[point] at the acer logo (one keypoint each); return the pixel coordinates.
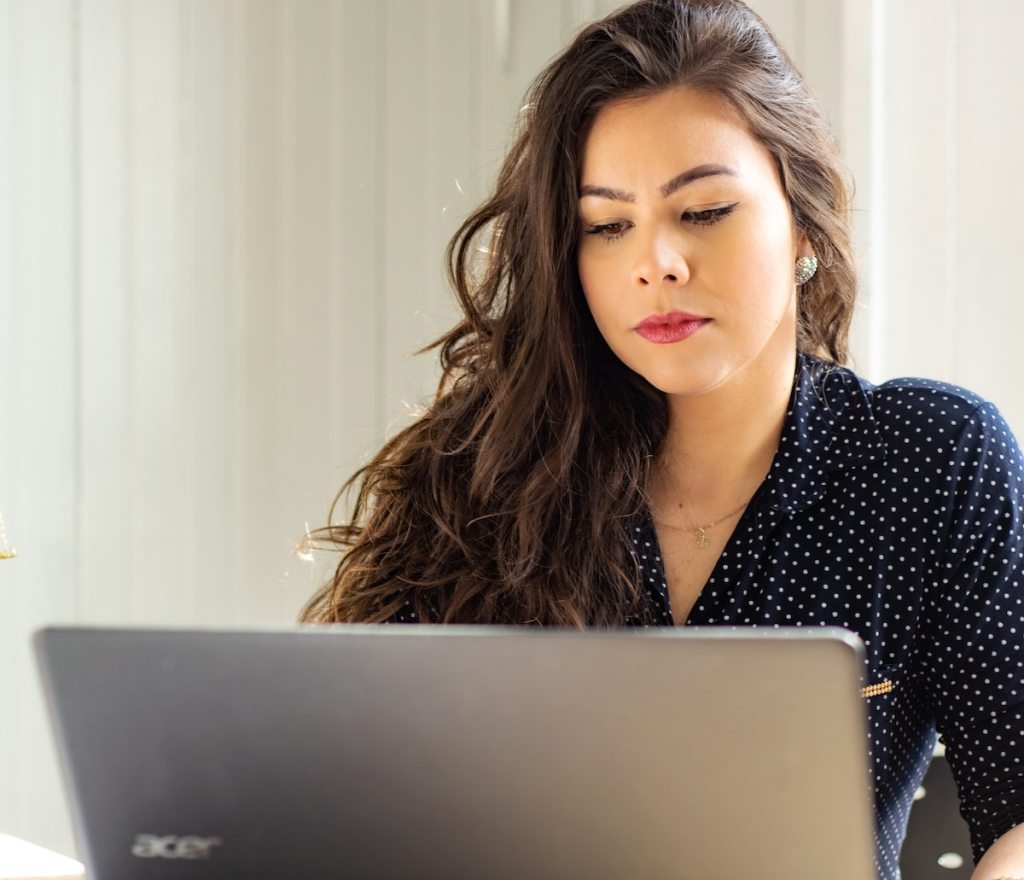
(170, 846)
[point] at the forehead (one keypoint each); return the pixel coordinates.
(659, 135)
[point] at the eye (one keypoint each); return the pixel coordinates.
(709, 217)
(608, 231)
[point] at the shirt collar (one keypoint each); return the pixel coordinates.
(830, 426)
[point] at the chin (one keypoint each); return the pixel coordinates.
(691, 385)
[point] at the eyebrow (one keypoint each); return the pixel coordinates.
(666, 189)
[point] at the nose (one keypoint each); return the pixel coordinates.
(660, 260)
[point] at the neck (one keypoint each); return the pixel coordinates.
(719, 446)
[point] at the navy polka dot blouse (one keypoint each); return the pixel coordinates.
(894, 511)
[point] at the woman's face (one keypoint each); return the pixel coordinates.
(688, 246)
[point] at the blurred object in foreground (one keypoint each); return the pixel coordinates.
(20, 859)
(6, 550)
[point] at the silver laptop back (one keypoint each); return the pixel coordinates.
(450, 752)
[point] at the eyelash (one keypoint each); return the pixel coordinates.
(699, 218)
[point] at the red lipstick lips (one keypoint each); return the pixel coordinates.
(670, 327)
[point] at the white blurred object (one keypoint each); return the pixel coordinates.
(951, 860)
(6, 550)
(20, 860)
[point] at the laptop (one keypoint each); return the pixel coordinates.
(463, 752)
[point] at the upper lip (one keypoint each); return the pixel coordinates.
(668, 319)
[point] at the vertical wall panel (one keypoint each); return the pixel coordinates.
(820, 27)
(411, 279)
(263, 300)
(8, 220)
(952, 128)
(236, 529)
(106, 311)
(859, 122)
(12, 628)
(39, 416)
(352, 391)
(162, 420)
(299, 347)
(311, 250)
(313, 337)
(986, 314)
(920, 183)
(448, 154)
(211, 360)
(534, 29)
(258, 215)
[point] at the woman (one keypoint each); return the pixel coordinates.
(644, 418)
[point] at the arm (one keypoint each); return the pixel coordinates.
(974, 633)
(1004, 859)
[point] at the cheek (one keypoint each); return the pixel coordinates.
(595, 288)
(582, 269)
(761, 264)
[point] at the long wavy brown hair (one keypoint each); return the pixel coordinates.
(512, 498)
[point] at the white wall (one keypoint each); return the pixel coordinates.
(221, 229)
(39, 449)
(953, 112)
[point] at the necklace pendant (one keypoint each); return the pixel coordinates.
(702, 538)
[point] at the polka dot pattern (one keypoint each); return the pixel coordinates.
(894, 511)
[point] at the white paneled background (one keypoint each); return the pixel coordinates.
(221, 236)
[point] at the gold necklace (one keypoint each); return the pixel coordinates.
(702, 534)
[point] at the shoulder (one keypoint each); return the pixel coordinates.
(938, 423)
(922, 403)
(911, 410)
(916, 431)
(934, 425)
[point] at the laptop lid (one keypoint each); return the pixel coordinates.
(463, 752)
